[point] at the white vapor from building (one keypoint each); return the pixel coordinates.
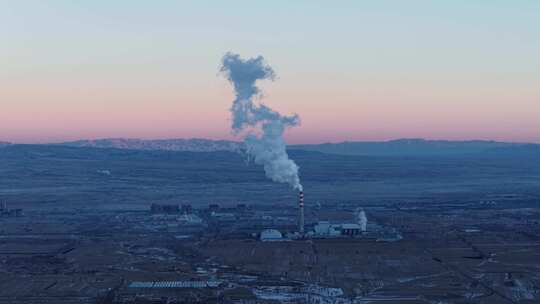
(261, 127)
(361, 218)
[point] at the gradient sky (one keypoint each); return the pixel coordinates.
(353, 70)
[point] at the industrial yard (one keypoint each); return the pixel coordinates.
(221, 254)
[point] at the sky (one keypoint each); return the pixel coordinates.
(352, 70)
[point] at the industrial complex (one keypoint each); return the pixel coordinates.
(247, 253)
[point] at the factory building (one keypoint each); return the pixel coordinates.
(326, 229)
(351, 229)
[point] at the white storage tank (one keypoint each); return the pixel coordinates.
(271, 235)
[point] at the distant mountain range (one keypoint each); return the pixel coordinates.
(416, 146)
(193, 144)
(399, 147)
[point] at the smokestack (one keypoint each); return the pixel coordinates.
(301, 210)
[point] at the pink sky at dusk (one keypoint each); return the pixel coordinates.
(80, 110)
(372, 72)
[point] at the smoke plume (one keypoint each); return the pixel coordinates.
(261, 127)
(361, 218)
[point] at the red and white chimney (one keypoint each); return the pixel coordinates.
(301, 211)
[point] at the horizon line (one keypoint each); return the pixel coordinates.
(288, 144)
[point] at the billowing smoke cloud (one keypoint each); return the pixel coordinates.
(361, 218)
(261, 127)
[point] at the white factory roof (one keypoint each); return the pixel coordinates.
(350, 226)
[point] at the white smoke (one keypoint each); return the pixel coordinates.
(261, 127)
(361, 218)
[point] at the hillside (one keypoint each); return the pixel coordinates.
(47, 176)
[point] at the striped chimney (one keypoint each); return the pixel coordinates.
(301, 210)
